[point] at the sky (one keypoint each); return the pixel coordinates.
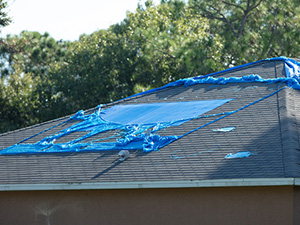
(66, 19)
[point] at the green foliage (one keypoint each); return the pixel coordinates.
(17, 101)
(31, 52)
(27, 95)
(98, 71)
(253, 29)
(172, 43)
(4, 18)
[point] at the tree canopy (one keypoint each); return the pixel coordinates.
(253, 29)
(26, 88)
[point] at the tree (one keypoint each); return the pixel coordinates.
(27, 92)
(253, 29)
(31, 52)
(172, 43)
(98, 70)
(17, 102)
(4, 19)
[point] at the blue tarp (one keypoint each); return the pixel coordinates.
(155, 113)
(136, 125)
(238, 155)
(224, 129)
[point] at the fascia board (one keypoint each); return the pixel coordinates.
(154, 184)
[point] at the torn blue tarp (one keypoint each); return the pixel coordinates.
(291, 66)
(146, 145)
(224, 129)
(291, 82)
(292, 69)
(238, 155)
(137, 125)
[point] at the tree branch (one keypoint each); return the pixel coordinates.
(231, 4)
(224, 19)
(254, 6)
(216, 13)
(245, 16)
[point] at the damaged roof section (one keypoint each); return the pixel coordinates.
(134, 126)
(240, 123)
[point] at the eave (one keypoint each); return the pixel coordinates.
(247, 182)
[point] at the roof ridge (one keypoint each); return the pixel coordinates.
(289, 133)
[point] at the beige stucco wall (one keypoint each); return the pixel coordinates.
(201, 206)
(296, 205)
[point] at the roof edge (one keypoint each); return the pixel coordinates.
(247, 182)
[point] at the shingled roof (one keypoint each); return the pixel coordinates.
(252, 136)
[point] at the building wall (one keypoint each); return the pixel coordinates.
(211, 206)
(296, 205)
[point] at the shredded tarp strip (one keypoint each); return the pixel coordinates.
(224, 129)
(238, 155)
